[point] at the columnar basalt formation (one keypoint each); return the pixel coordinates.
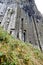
(23, 21)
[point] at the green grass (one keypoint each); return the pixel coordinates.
(16, 52)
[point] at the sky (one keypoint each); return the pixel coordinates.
(39, 4)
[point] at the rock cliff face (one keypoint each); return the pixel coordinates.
(23, 20)
(30, 7)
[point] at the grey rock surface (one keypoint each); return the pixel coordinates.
(22, 19)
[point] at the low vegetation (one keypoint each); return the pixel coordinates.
(16, 52)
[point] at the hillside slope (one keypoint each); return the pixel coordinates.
(15, 52)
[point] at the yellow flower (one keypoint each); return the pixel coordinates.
(18, 49)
